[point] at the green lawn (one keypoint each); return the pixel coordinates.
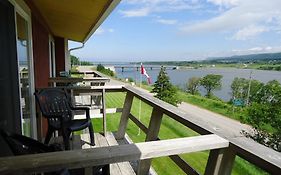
(216, 106)
(213, 105)
(169, 129)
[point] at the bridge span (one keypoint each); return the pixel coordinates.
(147, 67)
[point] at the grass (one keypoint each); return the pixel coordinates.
(169, 129)
(216, 106)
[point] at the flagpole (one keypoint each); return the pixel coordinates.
(140, 100)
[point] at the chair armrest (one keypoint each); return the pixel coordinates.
(83, 108)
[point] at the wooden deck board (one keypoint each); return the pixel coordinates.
(123, 168)
(85, 140)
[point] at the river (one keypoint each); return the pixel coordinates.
(180, 77)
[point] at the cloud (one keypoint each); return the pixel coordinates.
(167, 21)
(268, 48)
(141, 8)
(242, 18)
(258, 49)
(101, 31)
(135, 12)
(224, 3)
(111, 30)
(249, 32)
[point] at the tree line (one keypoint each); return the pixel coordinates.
(261, 101)
(75, 61)
(105, 71)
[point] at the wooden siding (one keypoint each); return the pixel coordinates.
(40, 38)
(59, 55)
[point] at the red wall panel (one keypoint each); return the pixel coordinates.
(40, 37)
(40, 53)
(60, 54)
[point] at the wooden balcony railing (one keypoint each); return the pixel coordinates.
(223, 148)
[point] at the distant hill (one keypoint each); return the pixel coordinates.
(263, 57)
(251, 57)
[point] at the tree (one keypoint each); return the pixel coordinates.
(74, 60)
(255, 88)
(240, 89)
(103, 70)
(211, 82)
(264, 114)
(192, 85)
(100, 67)
(164, 89)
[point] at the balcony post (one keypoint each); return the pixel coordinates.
(220, 161)
(125, 115)
(152, 134)
(103, 112)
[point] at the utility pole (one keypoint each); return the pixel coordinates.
(249, 88)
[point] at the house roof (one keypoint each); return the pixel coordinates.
(72, 19)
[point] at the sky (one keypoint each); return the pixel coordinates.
(180, 30)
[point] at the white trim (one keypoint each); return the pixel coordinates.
(33, 120)
(52, 55)
(23, 10)
(111, 7)
(67, 61)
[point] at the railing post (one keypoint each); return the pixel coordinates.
(153, 130)
(125, 115)
(220, 161)
(104, 112)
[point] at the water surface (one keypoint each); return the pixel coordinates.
(180, 77)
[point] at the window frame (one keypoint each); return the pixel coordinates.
(23, 10)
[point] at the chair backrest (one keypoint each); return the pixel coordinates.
(21, 145)
(53, 103)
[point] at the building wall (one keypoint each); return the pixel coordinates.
(40, 36)
(41, 55)
(60, 54)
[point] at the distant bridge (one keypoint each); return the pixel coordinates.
(146, 67)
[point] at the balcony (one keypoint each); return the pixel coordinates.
(117, 149)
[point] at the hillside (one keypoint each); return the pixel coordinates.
(246, 58)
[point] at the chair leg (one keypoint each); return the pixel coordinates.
(106, 170)
(48, 136)
(92, 137)
(66, 135)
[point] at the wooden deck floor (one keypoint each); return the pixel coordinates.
(83, 141)
(123, 168)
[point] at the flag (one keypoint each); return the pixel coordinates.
(143, 72)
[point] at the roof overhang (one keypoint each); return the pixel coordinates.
(73, 19)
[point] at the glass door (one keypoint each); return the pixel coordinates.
(25, 75)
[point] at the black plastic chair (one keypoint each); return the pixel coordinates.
(22, 145)
(55, 105)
